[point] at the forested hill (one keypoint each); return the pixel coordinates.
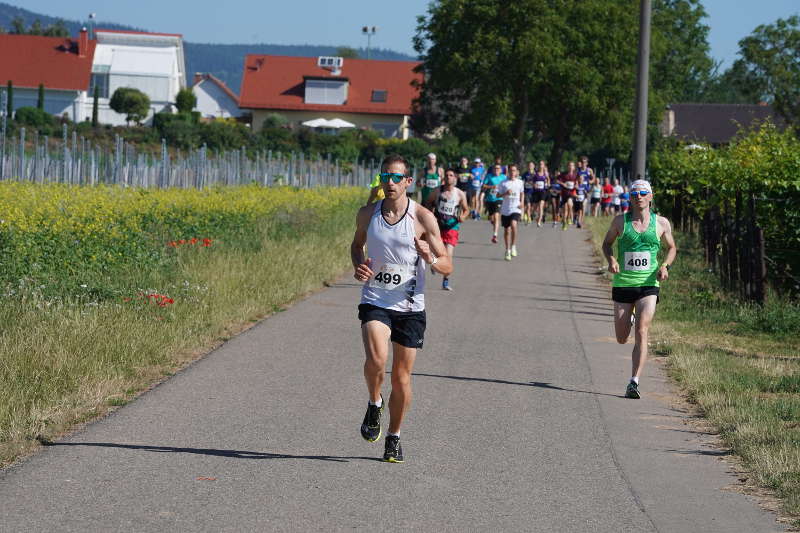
(223, 60)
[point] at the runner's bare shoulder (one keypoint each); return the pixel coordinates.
(618, 224)
(663, 225)
(365, 213)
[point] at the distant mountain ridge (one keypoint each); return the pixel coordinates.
(225, 61)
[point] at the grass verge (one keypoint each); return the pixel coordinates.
(67, 358)
(738, 363)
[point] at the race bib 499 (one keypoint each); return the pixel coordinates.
(391, 276)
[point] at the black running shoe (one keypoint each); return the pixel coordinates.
(632, 391)
(394, 452)
(371, 427)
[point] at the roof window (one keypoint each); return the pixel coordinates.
(379, 95)
(332, 92)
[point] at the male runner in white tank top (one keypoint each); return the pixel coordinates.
(401, 237)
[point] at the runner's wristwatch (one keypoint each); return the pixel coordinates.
(435, 260)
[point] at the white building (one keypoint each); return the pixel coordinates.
(214, 98)
(150, 62)
(70, 69)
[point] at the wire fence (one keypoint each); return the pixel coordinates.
(75, 160)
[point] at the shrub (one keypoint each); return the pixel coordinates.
(185, 101)
(35, 118)
(224, 134)
(132, 103)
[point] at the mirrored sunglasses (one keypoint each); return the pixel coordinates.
(396, 178)
(635, 194)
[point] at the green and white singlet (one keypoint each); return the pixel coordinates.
(431, 182)
(637, 255)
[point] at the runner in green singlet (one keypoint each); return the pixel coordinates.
(431, 178)
(637, 273)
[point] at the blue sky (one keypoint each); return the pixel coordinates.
(339, 22)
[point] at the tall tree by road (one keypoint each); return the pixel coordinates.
(682, 67)
(770, 64)
(517, 72)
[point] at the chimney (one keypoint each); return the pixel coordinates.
(83, 43)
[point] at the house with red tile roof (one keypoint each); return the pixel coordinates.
(214, 98)
(70, 69)
(368, 94)
(64, 66)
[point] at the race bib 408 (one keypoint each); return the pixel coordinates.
(637, 261)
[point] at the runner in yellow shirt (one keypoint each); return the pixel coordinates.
(375, 191)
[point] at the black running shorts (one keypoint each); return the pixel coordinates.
(505, 220)
(539, 196)
(492, 207)
(408, 327)
(629, 295)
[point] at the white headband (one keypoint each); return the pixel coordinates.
(643, 185)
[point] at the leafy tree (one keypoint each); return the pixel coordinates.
(36, 28)
(18, 26)
(682, 67)
(95, 111)
(57, 29)
(530, 69)
(132, 103)
(771, 61)
(347, 52)
(733, 86)
(185, 101)
(40, 99)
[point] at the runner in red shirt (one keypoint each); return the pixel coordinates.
(608, 195)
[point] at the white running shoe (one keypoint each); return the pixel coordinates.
(508, 255)
(513, 250)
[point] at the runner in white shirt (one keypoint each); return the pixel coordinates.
(618, 189)
(401, 237)
(511, 190)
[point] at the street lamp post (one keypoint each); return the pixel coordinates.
(642, 83)
(369, 32)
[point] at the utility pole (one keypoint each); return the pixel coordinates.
(369, 32)
(642, 85)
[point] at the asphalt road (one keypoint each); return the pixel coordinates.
(518, 424)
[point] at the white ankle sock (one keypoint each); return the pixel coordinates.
(635, 380)
(378, 403)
